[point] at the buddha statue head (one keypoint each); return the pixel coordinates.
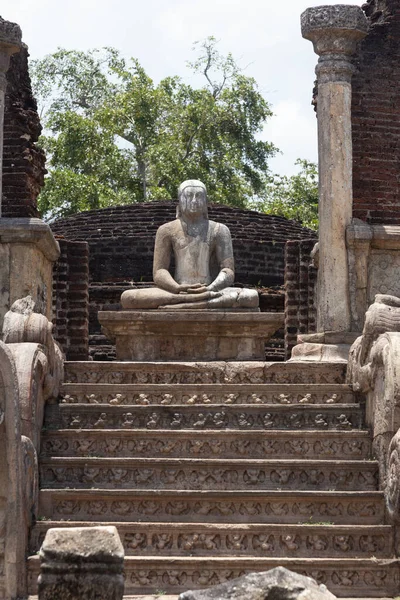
(192, 199)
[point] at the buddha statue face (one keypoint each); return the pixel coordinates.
(192, 199)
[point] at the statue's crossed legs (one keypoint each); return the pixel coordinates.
(151, 298)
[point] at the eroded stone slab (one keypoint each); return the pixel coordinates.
(277, 584)
(81, 563)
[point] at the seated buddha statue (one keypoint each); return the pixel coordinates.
(204, 264)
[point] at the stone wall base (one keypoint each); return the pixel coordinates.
(27, 253)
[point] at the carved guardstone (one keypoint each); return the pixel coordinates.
(189, 335)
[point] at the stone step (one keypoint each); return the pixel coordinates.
(352, 577)
(199, 539)
(353, 444)
(214, 417)
(176, 596)
(167, 596)
(246, 506)
(204, 372)
(208, 474)
(203, 394)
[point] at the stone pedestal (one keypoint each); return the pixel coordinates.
(189, 335)
(27, 253)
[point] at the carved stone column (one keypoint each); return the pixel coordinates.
(10, 43)
(334, 31)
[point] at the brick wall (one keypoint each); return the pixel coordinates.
(23, 162)
(23, 178)
(121, 240)
(71, 299)
(376, 117)
(300, 281)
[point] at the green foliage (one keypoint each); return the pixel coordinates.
(113, 136)
(294, 197)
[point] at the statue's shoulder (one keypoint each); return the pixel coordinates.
(219, 229)
(169, 228)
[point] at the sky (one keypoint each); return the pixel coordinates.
(263, 35)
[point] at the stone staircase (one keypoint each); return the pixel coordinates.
(212, 470)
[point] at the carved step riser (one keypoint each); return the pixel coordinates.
(278, 507)
(343, 578)
(205, 394)
(344, 476)
(329, 445)
(199, 540)
(246, 417)
(212, 372)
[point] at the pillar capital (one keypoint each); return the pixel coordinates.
(334, 31)
(10, 43)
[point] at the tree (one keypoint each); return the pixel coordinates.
(294, 197)
(113, 136)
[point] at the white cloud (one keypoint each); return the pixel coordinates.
(236, 21)
(294, 133)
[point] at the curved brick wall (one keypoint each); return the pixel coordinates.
(121, 240)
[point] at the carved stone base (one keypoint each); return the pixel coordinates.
(189, 335)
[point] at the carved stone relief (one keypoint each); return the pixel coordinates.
(384, 273)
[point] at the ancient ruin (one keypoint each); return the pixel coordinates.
(207, 460)
(119, 251)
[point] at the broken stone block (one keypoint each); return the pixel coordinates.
(277, 584)
(81, 563)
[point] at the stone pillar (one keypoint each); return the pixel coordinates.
(81, 563)
(334, 31)
(10, 43)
